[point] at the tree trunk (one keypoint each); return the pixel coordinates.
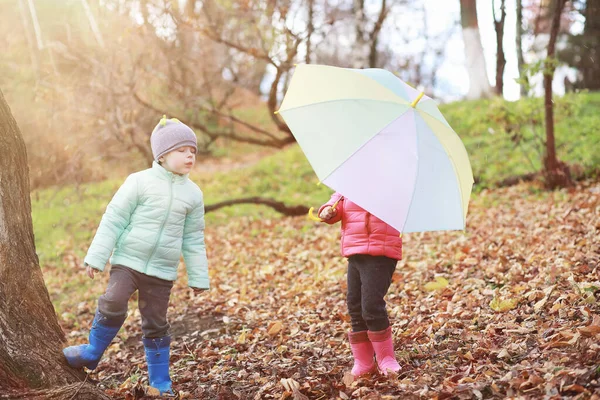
(500, 58)
(591, 67)
(35, 64)
(360, 53)
(520, 57)
(310, 30)
(556, 172)
(93, 23)
(479, 85)
(373, 52)
(30, 337)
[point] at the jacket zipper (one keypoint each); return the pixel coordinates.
(367, 223)
(163, 224)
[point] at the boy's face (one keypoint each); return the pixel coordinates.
(180, 161)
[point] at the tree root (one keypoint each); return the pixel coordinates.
(80, 391)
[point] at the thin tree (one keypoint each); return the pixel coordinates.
(519, 40)
(310, 30)
(500, 57)
(93, 24)
(35, 64)
(367, 39)
(31, 362)
(555, 171)
(479, 85)
(591, 62)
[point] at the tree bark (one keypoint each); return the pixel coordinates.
(479, 85)
(361, 45)
(591, 67)
(31, 359)
(373, 53)
(500, 58)
(36, 25)
(35, 64)
(556, 172)
(520, 56)
(365, 46)
(310, 30)
(93, 24)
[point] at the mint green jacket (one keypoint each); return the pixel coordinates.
(153, 218)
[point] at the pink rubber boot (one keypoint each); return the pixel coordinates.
(384, 351)
(363, 353)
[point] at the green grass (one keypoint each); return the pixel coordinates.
(489, 129)
(67, 218)
(285, 176)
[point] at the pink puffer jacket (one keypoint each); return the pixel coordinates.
(362, 232)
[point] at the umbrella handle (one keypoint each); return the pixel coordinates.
(313, 216)
(316, 218)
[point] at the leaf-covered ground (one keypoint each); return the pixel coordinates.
(508, 308)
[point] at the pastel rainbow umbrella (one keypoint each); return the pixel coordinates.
(382, 144)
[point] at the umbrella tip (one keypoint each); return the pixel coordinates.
(414, 103)
(276, 112)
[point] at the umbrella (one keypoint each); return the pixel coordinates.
(382, 144)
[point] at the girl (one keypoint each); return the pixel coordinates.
(373, 249)
(155, 215)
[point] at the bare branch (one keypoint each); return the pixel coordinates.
(211, 34)
(277, 143)
(278, 206)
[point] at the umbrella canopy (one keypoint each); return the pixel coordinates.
(382, 144)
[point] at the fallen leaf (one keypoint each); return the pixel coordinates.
(549, 290)
(591, 330)
(152, 392)
(348, 379)
(503, 305)
(275, 328)
(574, 388)
(242, 338)
(540, 304)
(439, 284)
(503, 354)
(125, 384)
(291, 385)
(469, 356)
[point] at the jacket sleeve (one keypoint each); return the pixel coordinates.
(114, 221)
(339, 209)
(194, 249)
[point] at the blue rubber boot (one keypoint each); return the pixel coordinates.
(88, 355)
(157, 357)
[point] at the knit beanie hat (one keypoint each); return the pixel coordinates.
(171, 134)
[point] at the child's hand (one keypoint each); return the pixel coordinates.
(90, 270)
(327, 213)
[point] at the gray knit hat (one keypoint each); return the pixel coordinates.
(171, 134)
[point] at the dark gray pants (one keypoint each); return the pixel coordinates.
(369, 278)
(153, 299)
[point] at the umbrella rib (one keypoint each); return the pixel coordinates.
(459, 188)
(412, 197)
(432, 116)
(340, 100)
